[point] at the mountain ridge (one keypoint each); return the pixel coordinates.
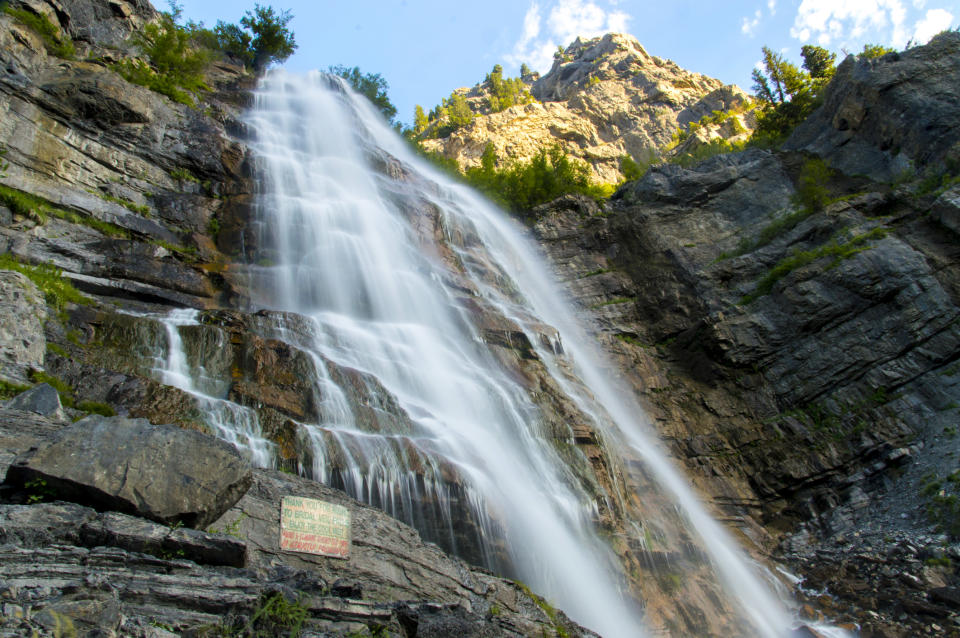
(604, 98)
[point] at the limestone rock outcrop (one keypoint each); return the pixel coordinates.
(889, 116)
(603, 99)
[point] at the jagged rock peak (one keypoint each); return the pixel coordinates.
(604, 98)
(615, 56)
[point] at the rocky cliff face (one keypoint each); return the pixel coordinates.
(888, 117)
(134, 180)
(603, 99)
(801, 363)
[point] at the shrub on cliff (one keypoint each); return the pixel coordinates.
(174, 63)
(521, 186)
(177, 55)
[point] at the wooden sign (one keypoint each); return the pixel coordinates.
(314, 527)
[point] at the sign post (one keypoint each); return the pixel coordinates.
(314, 527)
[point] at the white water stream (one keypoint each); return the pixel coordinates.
(352, 251)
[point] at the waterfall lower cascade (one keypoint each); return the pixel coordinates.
(452, 386)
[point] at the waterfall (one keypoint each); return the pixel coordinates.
(454, 385)
(234, 423)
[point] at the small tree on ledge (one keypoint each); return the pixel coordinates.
(263, 39)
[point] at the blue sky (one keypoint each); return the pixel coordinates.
(426, 48)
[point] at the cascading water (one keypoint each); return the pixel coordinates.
(452, 381)
(234, 423)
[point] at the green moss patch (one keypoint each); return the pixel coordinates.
(49, 279)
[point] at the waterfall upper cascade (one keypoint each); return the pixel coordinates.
(453, 386)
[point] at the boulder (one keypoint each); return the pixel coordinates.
(41, 399)
(946, 210)
(20, 431)
(159, 472)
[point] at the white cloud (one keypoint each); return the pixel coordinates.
(772, 6)
(565, 20)
(838, 21)
(931, 24)
(748, 26)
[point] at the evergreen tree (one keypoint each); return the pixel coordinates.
(818, 62)
(459, 113)
(420, 120)
(787, 93)
(261, 38)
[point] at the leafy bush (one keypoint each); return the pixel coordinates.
(57, 45)
(812, 194)
(523, 185)
(9, 390)
(871, 51)
(454, 113)
(176, 63)
(631, 169)
(273, 616)
(97, 407)
(716, 146)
